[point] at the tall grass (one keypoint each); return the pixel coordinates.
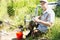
(55, 30)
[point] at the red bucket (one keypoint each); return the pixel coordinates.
(19, 35)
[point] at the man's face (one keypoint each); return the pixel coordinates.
(43, 4)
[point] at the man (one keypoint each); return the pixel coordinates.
(46, 19)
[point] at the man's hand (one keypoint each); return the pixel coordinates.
(42, 22)
(36, 20)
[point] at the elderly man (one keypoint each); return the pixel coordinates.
(46, 19)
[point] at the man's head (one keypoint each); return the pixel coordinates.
(44, 4)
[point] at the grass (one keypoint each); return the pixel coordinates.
(56, 30)
(53, 34)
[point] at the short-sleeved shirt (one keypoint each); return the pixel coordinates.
(48, 16)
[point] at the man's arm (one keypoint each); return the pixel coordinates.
(43, 22)
(46, 23)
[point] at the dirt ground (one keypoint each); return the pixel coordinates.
(9, 36)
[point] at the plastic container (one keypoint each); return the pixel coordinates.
(19, 35)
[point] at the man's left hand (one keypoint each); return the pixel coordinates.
(36, 20)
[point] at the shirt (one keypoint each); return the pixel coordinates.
(48, 16)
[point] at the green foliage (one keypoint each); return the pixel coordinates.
(10, 8)
(55, 31)
(39, 11)
(57, 11)
(10, 11)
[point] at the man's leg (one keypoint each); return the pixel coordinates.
(35, 33)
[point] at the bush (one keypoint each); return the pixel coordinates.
(10, 11)
(57, 11)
